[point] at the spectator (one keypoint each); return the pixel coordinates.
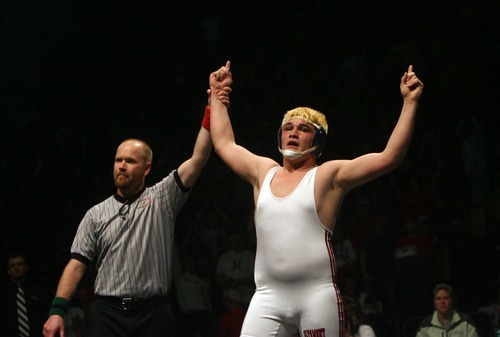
(415, 253)
(446, 321)
(377, 265)
(27, 317)
(235, 269)
(493, 311)
(230, 323)
(416, 198)
(355, 325)
(345, 256)
(351, 287)
(193, 297)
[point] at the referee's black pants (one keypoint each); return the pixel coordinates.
(111, 321)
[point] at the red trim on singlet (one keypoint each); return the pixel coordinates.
(333, 268)
(340, 306)
(329, 247)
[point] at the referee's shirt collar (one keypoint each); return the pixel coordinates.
(130, 199)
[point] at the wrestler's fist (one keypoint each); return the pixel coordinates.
(221, 78)
(411, 86)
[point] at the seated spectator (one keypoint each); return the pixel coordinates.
(415, 254)
(377, 264)
(350, 287)
(345, 255)
(446, 321)
(235, 269)
(355, 325)
(230, 322)
(193, 297)
(493, 311)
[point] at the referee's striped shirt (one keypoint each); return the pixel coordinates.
(132, 240)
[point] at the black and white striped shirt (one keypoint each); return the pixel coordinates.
(132, 241)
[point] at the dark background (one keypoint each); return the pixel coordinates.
(78, 78)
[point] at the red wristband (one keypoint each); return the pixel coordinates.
(206, 118)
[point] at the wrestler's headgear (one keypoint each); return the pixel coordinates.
(316, 119)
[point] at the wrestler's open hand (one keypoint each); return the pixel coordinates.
(411, 86)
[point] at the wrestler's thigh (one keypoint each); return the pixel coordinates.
(321, 312)
(263, 319)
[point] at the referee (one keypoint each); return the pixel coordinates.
(130, 236)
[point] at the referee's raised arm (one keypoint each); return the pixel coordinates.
(190, 170)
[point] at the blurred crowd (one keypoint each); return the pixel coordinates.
(434, 219)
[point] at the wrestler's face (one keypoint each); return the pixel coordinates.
(297, 135)
(443, 302)
(130, 169)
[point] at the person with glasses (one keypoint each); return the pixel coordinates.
(129, 236)
(296, 205)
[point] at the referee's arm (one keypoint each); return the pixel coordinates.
(190, 170)
(71, 277)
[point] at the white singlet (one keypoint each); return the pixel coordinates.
(294, 267)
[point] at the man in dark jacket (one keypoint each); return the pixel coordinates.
(25, 304)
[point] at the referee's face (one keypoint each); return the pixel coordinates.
(130, 169)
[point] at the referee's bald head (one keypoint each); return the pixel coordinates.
(146, 149)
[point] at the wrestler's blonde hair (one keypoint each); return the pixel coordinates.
(309, 115)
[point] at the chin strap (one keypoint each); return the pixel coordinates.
(291, 154)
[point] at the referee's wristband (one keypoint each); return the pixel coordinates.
(206, 118)
(59, 306)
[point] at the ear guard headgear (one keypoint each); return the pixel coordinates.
(317, 145)
(313, 117)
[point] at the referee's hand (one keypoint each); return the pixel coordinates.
(54, 327)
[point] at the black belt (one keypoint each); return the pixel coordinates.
(131, 303)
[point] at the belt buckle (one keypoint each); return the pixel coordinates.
(125, 301)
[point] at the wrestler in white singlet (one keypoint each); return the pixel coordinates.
(294, 267)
